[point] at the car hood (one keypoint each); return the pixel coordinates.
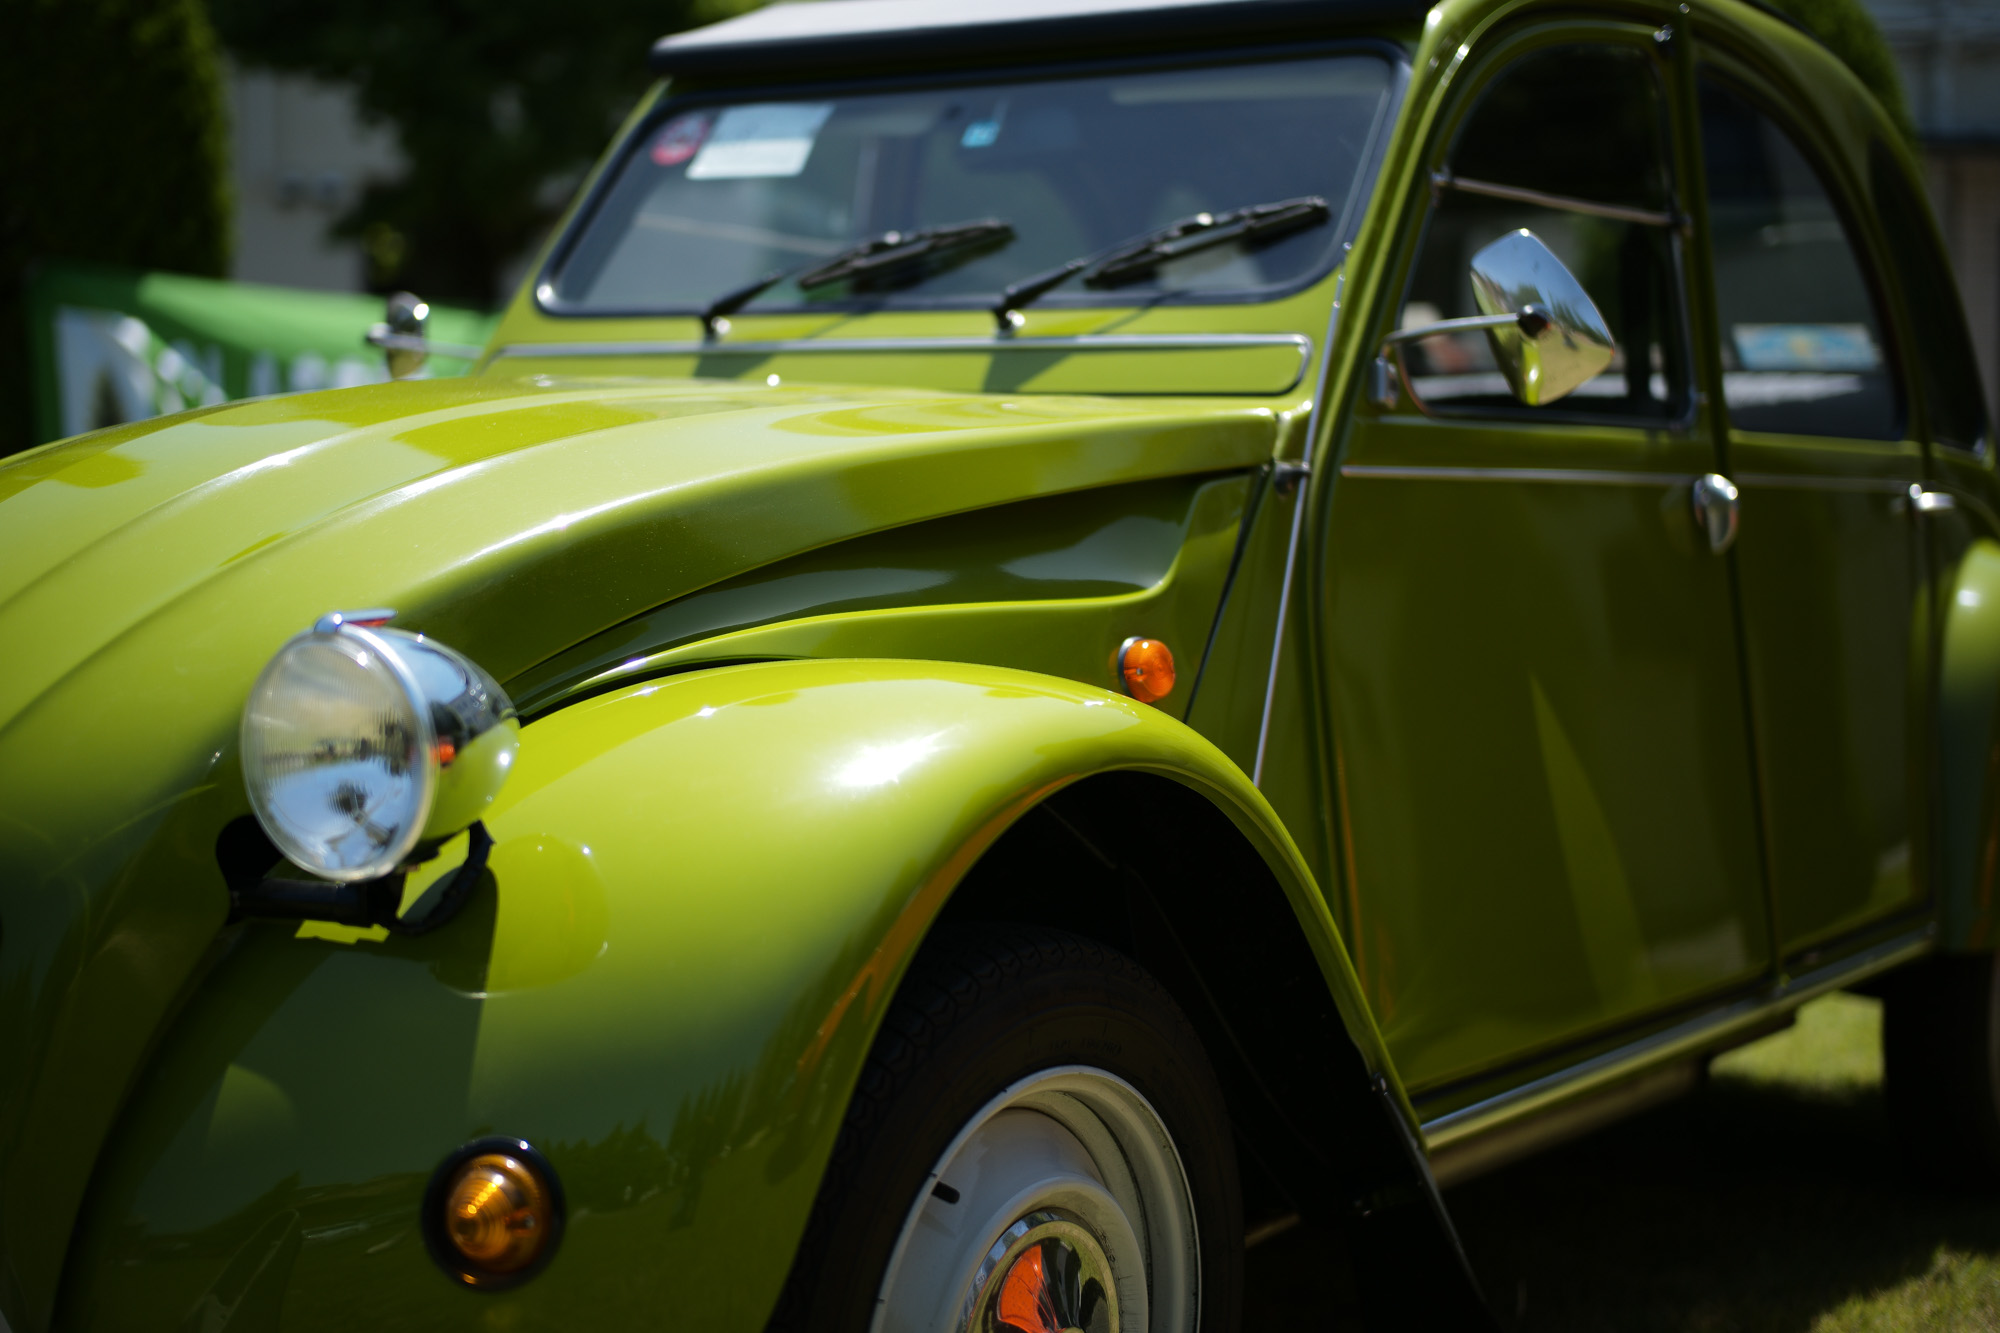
(148, 572)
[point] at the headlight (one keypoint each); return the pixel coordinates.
(360, 743)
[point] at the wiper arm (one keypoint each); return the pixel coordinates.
(882, 253)
(1128, 261)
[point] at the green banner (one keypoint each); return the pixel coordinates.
(112, 345)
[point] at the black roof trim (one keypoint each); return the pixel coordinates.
(854, 36)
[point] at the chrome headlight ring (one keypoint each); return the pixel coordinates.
(363, 744)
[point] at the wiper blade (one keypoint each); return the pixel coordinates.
(893, 250)
(880, 254)
(1128, 261)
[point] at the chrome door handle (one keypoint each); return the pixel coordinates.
(1930, 502)
(1714, 500)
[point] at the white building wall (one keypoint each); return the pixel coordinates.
(301, 156)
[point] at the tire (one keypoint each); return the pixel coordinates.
(1036, 1120)
(1941, 1068)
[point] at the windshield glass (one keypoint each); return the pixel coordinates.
(715, 195)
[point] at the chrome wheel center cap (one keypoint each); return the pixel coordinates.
(1046, 1274)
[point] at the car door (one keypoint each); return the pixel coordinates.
(1538, 734)
(1828, 557)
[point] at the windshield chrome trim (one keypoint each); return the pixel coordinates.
(1561, 476)
(1086, 342)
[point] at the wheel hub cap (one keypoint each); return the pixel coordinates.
(1046, 1274)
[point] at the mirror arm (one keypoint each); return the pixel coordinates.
(1531, 320)
(379, 335)
(1523, 318)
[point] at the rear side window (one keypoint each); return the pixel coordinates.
(1803, 351)
(1597, 189)
(1947, 374)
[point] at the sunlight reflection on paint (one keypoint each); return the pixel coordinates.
(876, 765)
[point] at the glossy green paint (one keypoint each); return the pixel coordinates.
(1836, 652)
(1542, 779)
(150, 571)
(1455, 777)
(1052, 585)
(1552, 820)
(1829, 571)
(707, 888)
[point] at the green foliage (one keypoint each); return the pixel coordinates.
(1849, 31)
(499, 107)
(116, 152)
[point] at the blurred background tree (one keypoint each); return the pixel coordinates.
(499, 107)
(115, 151)
(1848, 30)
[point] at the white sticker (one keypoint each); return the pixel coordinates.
(767, 139)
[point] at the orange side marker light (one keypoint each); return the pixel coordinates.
(496, 1215)
(1146, 666)
(493, 1213)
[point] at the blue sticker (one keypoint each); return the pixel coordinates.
(1805, 347)
(980, 134)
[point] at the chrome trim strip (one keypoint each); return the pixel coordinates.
(1684, 1039)
(1298, 525)
(1088, 342)
(1785, 482)
(1559, 475)
(1444, 180)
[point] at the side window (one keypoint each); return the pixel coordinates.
(1801, 335)
(1947, 374)
(1597, 189)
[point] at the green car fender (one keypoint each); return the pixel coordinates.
(708, 886)
(1968, 747)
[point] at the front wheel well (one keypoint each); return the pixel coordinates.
(1155, 869)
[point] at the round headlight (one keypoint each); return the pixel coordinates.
(359, 743)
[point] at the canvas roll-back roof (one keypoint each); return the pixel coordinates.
(830, 38)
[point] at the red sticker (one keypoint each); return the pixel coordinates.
(680, 139)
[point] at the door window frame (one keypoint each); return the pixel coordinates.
(1773, 100)
(1498, 56)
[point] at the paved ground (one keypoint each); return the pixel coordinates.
(1770, 1200)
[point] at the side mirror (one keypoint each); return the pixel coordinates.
(400, 335)
(1547, 334)
(405, 344)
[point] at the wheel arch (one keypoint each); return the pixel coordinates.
(1156, 866)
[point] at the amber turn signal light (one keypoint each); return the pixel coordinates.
(1146, 667)
(493, 1213)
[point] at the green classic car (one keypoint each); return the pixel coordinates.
(1054, 633)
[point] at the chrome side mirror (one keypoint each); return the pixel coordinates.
(400, 335)
(1547, 334)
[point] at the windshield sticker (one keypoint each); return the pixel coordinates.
(985, 132)
(768, 139)
(680, 139)
(1805, 347)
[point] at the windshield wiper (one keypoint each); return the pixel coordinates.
(1128, 261)
(880, 254)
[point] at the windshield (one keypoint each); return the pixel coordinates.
(717, 195)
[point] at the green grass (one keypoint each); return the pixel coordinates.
(1771, 1199)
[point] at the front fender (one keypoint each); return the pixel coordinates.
(708, 888)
